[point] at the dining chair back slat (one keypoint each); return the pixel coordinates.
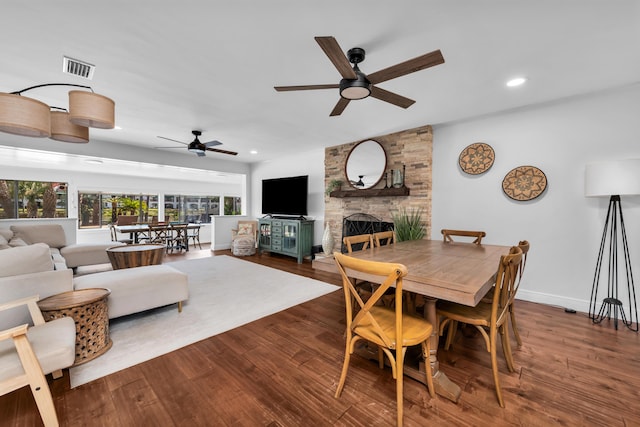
(448, 235)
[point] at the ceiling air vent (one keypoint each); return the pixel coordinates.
(78, 68)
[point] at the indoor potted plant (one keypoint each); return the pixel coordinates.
(334, 184)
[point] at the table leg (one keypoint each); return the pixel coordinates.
(443, 385)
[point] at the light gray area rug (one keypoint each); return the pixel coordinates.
(224, 293)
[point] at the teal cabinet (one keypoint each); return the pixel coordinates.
(292, 237)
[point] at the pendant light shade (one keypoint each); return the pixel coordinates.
(24, 116)
(63, 130)
(90, 109)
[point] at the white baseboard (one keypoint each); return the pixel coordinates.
(553, 300)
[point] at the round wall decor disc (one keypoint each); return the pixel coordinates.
(476, 158)
(524, 183)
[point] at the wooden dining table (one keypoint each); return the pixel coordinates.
(452, 271)
(135, 230)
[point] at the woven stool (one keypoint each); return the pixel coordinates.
(243, 246)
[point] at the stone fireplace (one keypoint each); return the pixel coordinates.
(410, 148)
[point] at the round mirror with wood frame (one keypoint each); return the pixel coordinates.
(365, 164)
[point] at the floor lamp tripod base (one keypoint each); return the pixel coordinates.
(612, 306)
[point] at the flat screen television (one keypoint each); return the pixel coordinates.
(285, 196)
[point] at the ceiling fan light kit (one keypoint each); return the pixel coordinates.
(356, 85)
(20, 115)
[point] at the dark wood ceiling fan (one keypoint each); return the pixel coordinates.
(198, 147)
(357, 85)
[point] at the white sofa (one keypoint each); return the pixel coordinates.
(64, 255)
(29, 270)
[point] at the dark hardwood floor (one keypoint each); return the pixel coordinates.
(282, 370)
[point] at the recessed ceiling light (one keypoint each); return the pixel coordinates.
(516, 82)
(117, 128)
(253, 152)
(94, 161)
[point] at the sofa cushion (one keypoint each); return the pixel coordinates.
(43, 284)
(138, 289)
(87, 253)
(17, 241)
(53, 344)
(51, 234)
(4, 243)
(59, 263)
(6, 233)
(25, 259)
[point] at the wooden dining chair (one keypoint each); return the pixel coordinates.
(358, 242)
(177, 237)
(448, 235)
(493, 316)
(382, 238)
(159, 234)
(193, 235)
(390, 329)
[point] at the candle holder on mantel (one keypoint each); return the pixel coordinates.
(386, 182)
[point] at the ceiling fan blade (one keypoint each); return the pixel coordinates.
(307, 87)
(217, 150)
(212, 143)
(340, 106)
(182, 148)
(332, 49)
(169, 139)
(390, 97)
(411, 66)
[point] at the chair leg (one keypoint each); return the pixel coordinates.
(37, 381)
(506, 346)
(494, 367)
(514, 326)
(345, 368)
(451, 333)
(399, 385)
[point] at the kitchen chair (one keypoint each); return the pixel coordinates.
(382, 238)
(360, 242)
(244, 239)
(389, 328)
(524, 246)
(492, 316)
(159, 234)
(27, 354)
(114, 236)
(193, 235)
(447, 234)
(177, 237)
(366, 240)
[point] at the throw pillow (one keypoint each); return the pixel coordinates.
(244, 229)
(6, 233)
(4, 244)
(16, 241)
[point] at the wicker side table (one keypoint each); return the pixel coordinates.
(88, 308)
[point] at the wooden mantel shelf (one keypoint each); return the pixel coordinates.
(371, 192)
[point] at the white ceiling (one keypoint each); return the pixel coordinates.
(174, 66)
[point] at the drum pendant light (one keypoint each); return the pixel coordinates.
(63, 130)
(90, 109)
(24, 116)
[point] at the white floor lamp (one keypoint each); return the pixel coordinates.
(613, 179)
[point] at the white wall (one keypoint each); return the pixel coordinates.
(563, 227)
(303, 163)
